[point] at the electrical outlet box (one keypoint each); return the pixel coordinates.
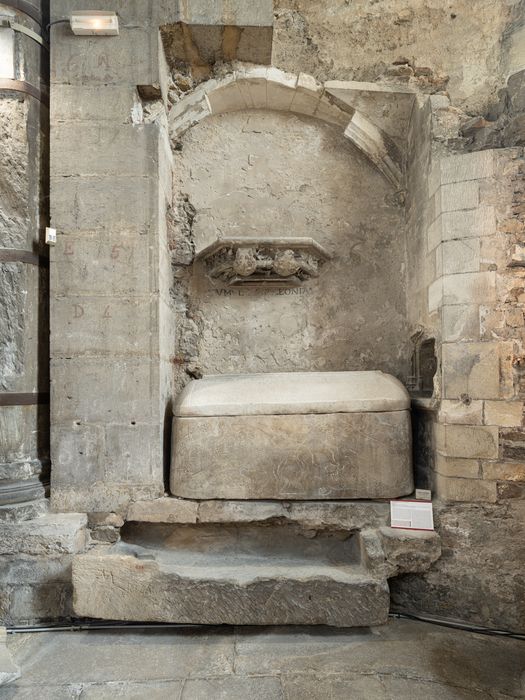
(51, 235)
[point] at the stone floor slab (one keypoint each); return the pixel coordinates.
(424, 652)
(404, 660)
(233, 688)
(102, 656)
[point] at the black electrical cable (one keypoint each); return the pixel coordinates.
(117, 625)
(442, 622)
(56, 21)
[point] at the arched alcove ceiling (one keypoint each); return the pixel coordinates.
(261, 87)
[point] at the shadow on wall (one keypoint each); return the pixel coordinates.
(166, 444)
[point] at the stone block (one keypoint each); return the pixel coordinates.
(469, 288)
(103, 495)
(15, 512)
(129, 381)
(435, 295)
(104, 149)
(512, 443)
(226, 97)
(467, 166)
(76, 451)
(164, 510)
(504, 413)
(108, 203)
(105, 103)
(409, 551)
(110, 262)
(311, 515)
(504, 471)
(307, 95)
(51, 535)
(465, 490)
(189, 111)
(238, 13)
(130, 12)
(269, 575)
(470, 223)
(105, 519)
(131, 59)
(39, 603)
(465, 413)
(280, 90)
(460, 322)
(230, 456)
(453, 466)
(252, 82)
(35, 570)
(460, 256)
(456, 196)
(103, 325)
(469, 441)
(471, 369)
(133, 451)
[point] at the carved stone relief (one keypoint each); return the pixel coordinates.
(265, 261)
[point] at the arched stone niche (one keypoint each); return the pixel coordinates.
(263, 171)
(263, 87)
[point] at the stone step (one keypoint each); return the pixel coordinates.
(230, 574)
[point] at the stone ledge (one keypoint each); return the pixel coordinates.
(341, 515)
(265, 573)
(51, 535)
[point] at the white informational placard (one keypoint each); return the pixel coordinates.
(411, 515)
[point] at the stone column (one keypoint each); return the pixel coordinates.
(24, 389)
(110, 268)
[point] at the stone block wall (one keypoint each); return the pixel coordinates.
(112, 318)
(110, 189)
(476, 228)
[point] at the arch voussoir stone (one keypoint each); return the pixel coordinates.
(264, 87)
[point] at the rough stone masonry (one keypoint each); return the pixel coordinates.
(393, 135)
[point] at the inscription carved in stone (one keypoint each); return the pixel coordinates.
(282, 262)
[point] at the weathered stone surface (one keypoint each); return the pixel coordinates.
(458, 586)
(465, 490)
(24, 511)
(268, 664)
(243, 331)
(164, 510)
(409, 550)
(454, 466)
(9, 671)
(254, 575)
(307, 457)
(472, 370)
(53, 534)
(504, 413)
(283, 393)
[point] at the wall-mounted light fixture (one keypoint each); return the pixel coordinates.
(94, 23)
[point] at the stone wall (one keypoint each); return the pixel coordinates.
(111, 339)
(469, 435)
(261, 173)
(452, 270)
(464, 46)
(24, 383)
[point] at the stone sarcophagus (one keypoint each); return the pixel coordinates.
(294, 435)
